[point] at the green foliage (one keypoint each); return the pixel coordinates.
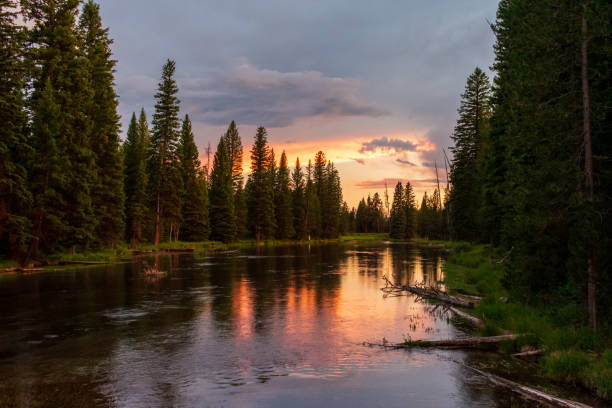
(135, 177)
(298, 201)
(260, 188)
(194, 210)
(471, 139)
(15, 195)
(398, 213)
(165, 183)
(222, 222)
(107, 193)
(282, 205)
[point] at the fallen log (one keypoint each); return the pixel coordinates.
(429, 293)
(461, 343)
(530, 393)
(472, 319)
(83, 262)
(528, 353)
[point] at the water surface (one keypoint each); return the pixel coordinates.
(260, 327)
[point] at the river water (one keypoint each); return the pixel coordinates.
(255, 328)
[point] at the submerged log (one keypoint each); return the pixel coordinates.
(429, 293)
(461, 343)
(530, 393)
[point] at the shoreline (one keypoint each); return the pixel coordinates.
(122, 253)
(568, 352)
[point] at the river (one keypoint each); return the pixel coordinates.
(261, 327)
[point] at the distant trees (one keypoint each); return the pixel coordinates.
(403, 213)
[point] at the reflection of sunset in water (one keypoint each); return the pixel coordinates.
(280, 326)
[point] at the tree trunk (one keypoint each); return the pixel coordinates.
(588, 169)
(158, 219)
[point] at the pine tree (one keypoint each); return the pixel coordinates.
(15, 196)
(260, 200)
(135, 179)
(410, 208)
(222, 216)
(61, 84)
(163, 169)
(313, 206)
(234, 146)
(398, 213)
(470, 138)
(194, 223)
(298, 201)
(234, 143)
(282, 197)
(107, 196)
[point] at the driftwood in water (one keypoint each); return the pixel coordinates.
(430, 293)
(530, 393)
(462, 343)
(472, 319)
(83, 262)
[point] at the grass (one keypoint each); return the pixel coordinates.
(572, 352)
(122, 252)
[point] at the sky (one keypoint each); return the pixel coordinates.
(374, 84)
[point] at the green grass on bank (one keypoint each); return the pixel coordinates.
(572, 352)
(122, 252)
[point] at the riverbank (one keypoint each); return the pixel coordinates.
(122, 253)
(571, 352)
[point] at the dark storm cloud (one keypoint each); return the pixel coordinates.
(385, 144)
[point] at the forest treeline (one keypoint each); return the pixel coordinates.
(67, 182)
(532, 159)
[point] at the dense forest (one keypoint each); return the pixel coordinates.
(68, 183)
(531, 170)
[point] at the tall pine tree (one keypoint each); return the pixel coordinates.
(470, 138)
(15, 196)
(62, 186)
(260, 200)
(107, 194)
(135, 179)
(222, 217)
(163, 162)
(194, 225)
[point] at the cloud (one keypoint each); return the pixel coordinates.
(386, 145)
(358, 160)
(405, 162)
(253, 96)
